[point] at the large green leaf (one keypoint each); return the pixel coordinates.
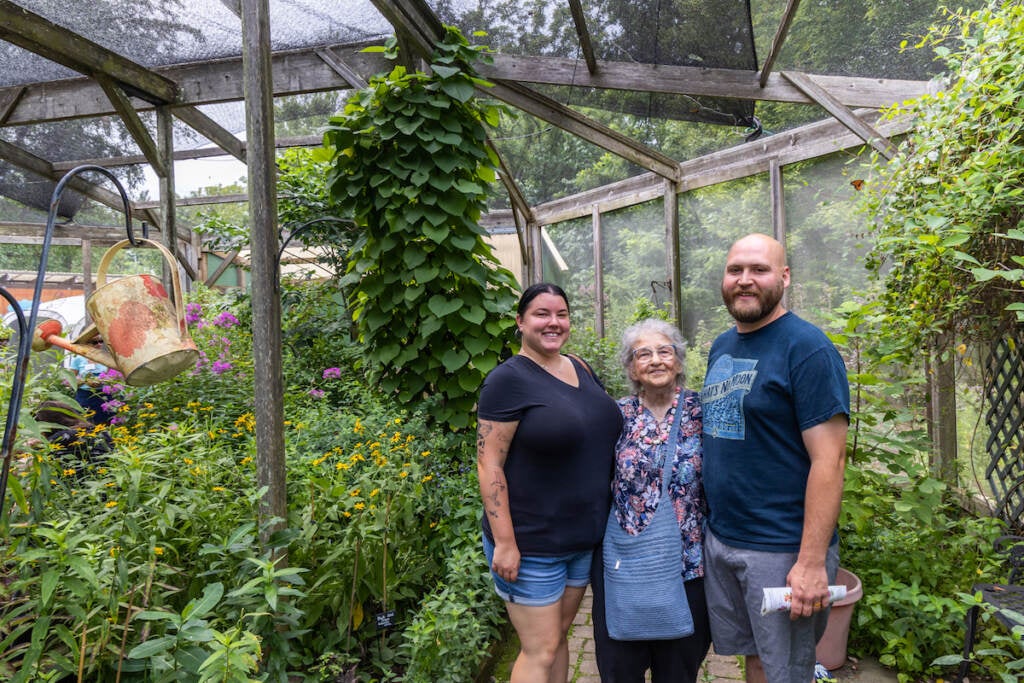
(442, 306)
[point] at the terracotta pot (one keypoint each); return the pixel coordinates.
(831, 650)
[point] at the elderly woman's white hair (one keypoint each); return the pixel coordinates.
(652, 326)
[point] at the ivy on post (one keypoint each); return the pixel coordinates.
(409, 160)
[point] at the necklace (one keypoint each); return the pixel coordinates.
(662, 426)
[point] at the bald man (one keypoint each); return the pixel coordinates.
(776, 407)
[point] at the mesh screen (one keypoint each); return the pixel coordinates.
(164, 32)
(705, 33)
(855, 37)
(825, 234)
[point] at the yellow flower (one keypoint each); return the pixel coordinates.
(246, 460)
(347, 513)
(219, 488)
(69, 472)
(427, 478)
(374, 492)
(341, 466)
(358, 427)
(398, 420)
(360, 506)
(403, 474)
(157, 550)
(354, 492)
(425, 453)
(110, 484)
(961, 349)
(102, 470)
(111, 504)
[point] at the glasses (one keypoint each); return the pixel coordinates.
(645, 354)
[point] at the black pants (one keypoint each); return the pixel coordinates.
(670, 661)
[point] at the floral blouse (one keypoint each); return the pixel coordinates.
(636, 488)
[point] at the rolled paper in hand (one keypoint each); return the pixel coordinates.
(779, 599)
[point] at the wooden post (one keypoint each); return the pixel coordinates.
(777, 200)
(168, 211)
(942, 409)
(266, 288)
(673, 267)
(86, 271)
(535, 267)
(598, 273)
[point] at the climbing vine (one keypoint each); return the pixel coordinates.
(948, 207)
(410, 161)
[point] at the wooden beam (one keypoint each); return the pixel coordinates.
(579, 20)
(294, 72)
(266, 286)
(68, 233)
(698, 82)
(56, 43)
(341, 68)
(415, 21)
(304, 71)
(572, 121)
(674, 269)
(841, 112)
(133, 123)
(212, 131)
(8, 101)
(226, 262)
(516, 197)
(778, 40)
(800, 144)
(183, 154)
(197, 201)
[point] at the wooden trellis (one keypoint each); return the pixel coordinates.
(1004, 415)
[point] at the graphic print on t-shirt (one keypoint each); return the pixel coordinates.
(728, 381)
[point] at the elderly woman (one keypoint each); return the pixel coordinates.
(652, 355)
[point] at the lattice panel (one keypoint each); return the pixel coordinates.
(1004, 417)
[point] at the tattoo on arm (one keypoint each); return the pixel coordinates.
(483, 431)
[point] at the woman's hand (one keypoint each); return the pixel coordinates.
(506, 561)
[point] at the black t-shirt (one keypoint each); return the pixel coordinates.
(559, 465)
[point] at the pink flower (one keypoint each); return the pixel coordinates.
(193, 313)
(225, 320)
(332, 373)
(317, 393)
(220, 367)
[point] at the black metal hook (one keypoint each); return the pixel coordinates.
(28, 328)
(307, 225)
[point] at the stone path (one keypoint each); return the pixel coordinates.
(717, 668)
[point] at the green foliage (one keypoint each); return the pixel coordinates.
(410, 161)
(1005, 657)
(914, 549)
(949, 246)
(155, 555)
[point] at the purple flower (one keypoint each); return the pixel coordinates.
(111, 406)
(219, 367)
(110, 373)
(317, 393)
(225, 320)
(193, 313)
(332, 373)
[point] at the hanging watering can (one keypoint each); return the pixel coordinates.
(144, 332)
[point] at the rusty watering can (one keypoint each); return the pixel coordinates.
(145, 333)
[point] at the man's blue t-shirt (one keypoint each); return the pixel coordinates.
(762, 390)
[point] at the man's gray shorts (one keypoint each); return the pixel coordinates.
(734, 579)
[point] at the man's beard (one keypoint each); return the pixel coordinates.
(767, 300)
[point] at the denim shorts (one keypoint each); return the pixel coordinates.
(541, 580)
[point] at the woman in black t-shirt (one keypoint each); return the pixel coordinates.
(545, 449)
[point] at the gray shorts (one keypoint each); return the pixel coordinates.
(734, 579)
